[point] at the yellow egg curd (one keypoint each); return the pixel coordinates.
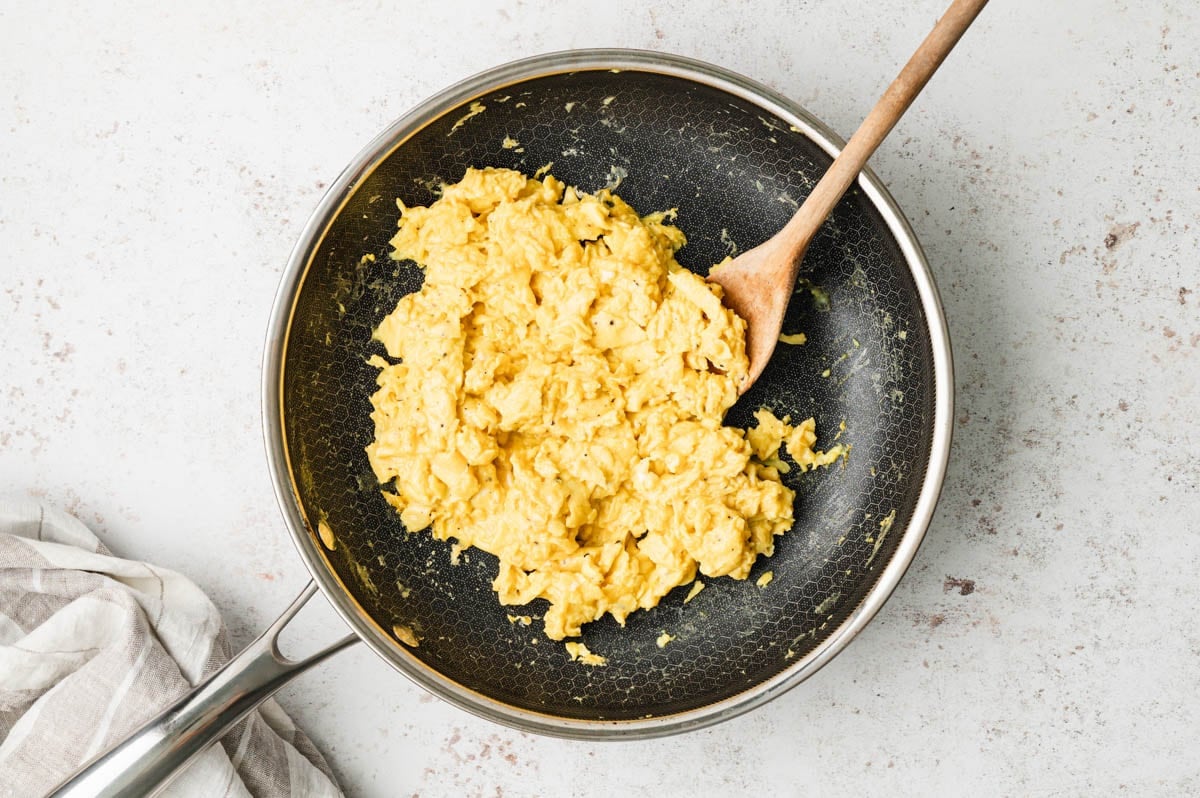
(554, 396)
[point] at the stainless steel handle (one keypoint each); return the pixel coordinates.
(156, 753)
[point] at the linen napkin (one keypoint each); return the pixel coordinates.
(92, 646)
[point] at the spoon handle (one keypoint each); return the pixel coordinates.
(895, 101)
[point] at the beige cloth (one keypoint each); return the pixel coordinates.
(92, 645)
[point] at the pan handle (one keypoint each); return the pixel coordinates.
(156, 753)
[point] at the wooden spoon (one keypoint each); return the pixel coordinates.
(759, 283)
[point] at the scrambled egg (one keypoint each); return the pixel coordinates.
(773, 433)
(554, 396)
(579, 652)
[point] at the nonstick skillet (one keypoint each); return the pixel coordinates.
(735, 159)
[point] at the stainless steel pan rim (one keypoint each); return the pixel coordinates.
(276, 345)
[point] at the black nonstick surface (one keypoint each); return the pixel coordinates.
(735, 173)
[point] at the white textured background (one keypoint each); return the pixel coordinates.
(156, 166)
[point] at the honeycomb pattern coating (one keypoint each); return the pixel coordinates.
(735, 174)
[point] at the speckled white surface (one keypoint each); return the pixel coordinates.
(155, 170)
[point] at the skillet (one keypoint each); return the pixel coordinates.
(735, 159)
